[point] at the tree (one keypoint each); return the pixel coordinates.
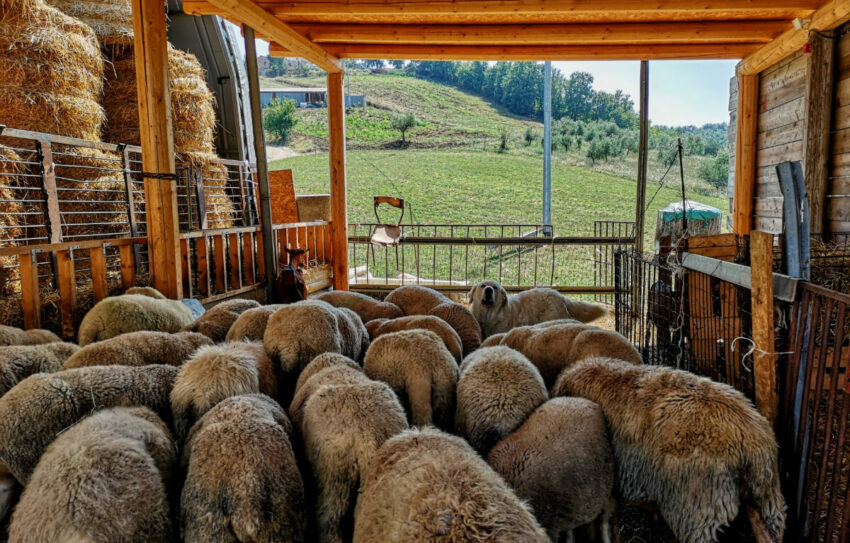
(715, 170)
(530, 136)
(599, 149)
(403, 123)
(504, 137)
(279, 118)
(397, 64)
(375, 64)
(668, 155)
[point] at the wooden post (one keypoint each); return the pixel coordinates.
(67, 291)
(265, 245)
(151, 54)
(643, 156)
(764, 359)
(100, 287)
(820, 79)
(339, 211)
(128, 266)
(745, 149)
(30, 299)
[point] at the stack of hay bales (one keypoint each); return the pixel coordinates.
(192, 102)
(10, 218)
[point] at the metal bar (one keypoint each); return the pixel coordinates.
(262, 165)
(560, 240)
(547, 147)
(378, 288)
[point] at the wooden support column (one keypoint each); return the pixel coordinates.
(339, 211)
(764, 357)
(745, 151)
(151, 53)
(265, 243)
(643, 155)
(820, 79)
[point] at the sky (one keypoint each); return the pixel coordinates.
(681, 92)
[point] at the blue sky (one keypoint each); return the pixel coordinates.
(681, 92)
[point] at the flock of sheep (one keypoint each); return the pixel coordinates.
(343, 418)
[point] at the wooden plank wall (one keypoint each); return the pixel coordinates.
(838, 187)
(781, 127)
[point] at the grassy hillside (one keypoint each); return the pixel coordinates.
(484, 187)
(449, 117)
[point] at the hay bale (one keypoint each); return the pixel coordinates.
(10, 222)
(55, 71)
(220, 209)
(111, 20)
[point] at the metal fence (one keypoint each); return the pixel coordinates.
(453, 257)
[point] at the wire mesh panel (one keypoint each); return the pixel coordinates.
(603, 255)
(816, 416)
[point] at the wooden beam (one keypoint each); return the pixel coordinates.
(157, 139)
(764, 357)
(745, 149)
(820, 83)
(546, 34)
(264, 22)
(643, 156)
(339, 210)
(534, 52)
(829, 16)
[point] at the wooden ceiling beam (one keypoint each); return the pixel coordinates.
(263, 22)
(534, 52)
(829, 16)
(688, 32)
(539, 11)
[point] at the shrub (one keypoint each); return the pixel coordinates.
(599, 149)
(504, 136)
(279, 119)
(668, 155)
(530, 136)
(715, 170)
(403, 123)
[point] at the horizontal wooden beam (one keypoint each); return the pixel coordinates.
(533, 52)
(828, 17)
(546, 34)
(519, 11)
(247, 12)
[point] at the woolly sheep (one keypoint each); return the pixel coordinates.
(419, 322)
(416, 300)
(419, 368)
(463, 321)
(323, 361)
(343, 428)
(118, 315)
(333, 375)
(366, 307)
(18, 362)
(425, 485)
(493, 341)
(150, 292)
(688, 444)
(242, 481)
(139, 349)
(554, 345)
(35, 411)
(498, 389)
(216, 323)
(104, 479)
(9, 335)
(251, 324)
(299, 332)
(561, 462)
(215, 373)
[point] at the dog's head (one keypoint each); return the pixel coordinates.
(488, 294)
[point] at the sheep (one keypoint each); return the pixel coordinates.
(138, 349)
(561, 462)
(463, 321)
(419, 368)
(150, 292)
(118, 315)
(38, 408)
(242, 481)
(498, 389)
(299, 332)
(494, 340)
(20, 361)
(216, 323)
(690, 445)
(554, 345)
(366, 307)
(104, 479)
(419, 322)
(323, 361)
(425, 485)
(9, 335)
(215, 373)
(343, 427)
(333, 375)
(251, 324)
(416, 300)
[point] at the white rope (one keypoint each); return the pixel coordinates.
(753, 349)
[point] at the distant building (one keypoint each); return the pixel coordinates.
(306, 97)
(263, 64)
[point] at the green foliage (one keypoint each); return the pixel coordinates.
(715, 170)
(668, 155)
(403, 123)
(504, 137)
(599, 149)
(279, 118)
(530, 136)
